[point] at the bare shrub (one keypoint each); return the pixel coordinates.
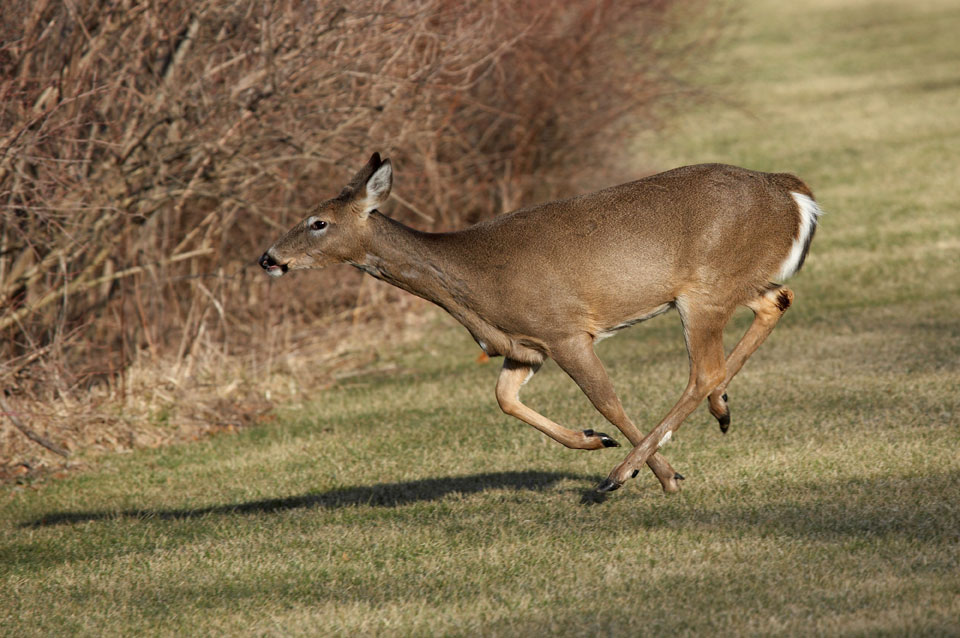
(150, 151)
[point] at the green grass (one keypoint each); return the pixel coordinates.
(409, 505)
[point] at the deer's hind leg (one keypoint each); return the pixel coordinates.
(767, 308)
(703, 329)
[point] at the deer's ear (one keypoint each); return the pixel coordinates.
(377, 188)
(372, 164)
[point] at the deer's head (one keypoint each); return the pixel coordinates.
(336, 229)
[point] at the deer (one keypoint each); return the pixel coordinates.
(553, 279)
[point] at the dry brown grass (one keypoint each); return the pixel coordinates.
(148, 151)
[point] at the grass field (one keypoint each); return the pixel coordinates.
(405, 503)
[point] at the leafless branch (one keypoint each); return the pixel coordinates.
(30, 434)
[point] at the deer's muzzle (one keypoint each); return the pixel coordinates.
(269, 264)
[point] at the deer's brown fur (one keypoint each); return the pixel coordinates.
(552, 279)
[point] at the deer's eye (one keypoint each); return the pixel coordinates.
(318, 225)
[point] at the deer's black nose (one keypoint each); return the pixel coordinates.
(266, 261)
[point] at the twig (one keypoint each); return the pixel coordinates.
(178, 209)
(84, 284)
(30, 434)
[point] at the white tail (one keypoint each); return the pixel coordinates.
(809, 214)
(551, 280)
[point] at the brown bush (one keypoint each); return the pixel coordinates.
(149, 152)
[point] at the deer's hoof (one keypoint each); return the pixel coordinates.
(604, 438)
(608, 485)
(724, 419)
(724, 422)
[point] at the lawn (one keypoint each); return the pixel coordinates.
(405, 503)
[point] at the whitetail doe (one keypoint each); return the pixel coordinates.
(551, 280)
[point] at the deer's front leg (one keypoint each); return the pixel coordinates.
(512, 376)
(578, 359)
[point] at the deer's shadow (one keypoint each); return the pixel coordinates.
(380, 495)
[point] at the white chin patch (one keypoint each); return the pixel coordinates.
(276, 271)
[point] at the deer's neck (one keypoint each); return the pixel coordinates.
(437, 268)
(412, 260)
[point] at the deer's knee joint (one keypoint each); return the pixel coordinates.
(784, 297)
(770, 306)
(507, 399)
(773, 303)
(708, 380)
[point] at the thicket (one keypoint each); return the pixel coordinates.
(150, 151)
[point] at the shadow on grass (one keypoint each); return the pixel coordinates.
(382, 495)
(921, 508)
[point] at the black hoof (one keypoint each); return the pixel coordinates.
(678, 476)
(608, 486)
(604, 438)
(724, 422)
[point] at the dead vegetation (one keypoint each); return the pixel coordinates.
(149, 152)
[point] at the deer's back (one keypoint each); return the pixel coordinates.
(623, 251)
